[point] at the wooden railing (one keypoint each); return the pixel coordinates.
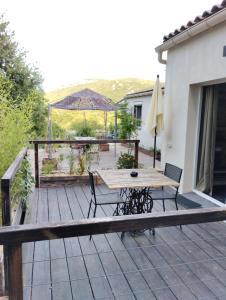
(6, 182)
(70, 142)
(14, 236)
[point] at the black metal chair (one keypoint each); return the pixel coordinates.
(168, 193)
(103, 199)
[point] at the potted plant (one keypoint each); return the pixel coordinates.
(128, 123)
(125, 161)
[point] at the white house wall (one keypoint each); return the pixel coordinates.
(143, 134)
(190, 65)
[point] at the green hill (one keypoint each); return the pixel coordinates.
(114, 89)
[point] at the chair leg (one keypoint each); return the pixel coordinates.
(90, 204)
(163, 205)
(94, 215)
(117, 209)
(176, 203)
(177, 208)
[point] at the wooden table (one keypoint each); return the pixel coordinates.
(120, 179)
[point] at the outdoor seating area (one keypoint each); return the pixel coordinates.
(112, 167)
(124, 253)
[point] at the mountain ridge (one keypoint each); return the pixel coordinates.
(115, 89)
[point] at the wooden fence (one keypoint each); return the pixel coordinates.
(14, 236)
(6, 182)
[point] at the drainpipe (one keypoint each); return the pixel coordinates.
(192, 31)
(160, 59)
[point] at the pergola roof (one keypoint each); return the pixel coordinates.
(85, 100)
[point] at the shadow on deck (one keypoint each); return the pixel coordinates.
(173, 264)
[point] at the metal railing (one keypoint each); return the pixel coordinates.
(73, 142)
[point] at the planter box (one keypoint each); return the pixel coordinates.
(50, 160)
(104, 147)
(67, 180)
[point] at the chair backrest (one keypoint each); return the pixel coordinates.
(173, 172)
(92, 185)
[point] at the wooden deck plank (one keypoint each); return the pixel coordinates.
(59, 270)
(145, 295)
(93, 265)
(196, 286)
(41, 251)
(163, 294)
(81, 290)
(30, 217)
(181, 291)
(119, 285)
(101, 288)
(41, 272)
(189, 275)
(41, 292)
(175, 264)
(110, 263)
(77, 268)
(62, 290)
(125, 297)
(41, 264)
(157, 258)
(110, 259)
(27, 274)
(57, 249)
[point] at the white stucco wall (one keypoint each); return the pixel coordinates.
(143, 134)
(190, 65)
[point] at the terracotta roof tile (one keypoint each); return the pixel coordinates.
(206, 14)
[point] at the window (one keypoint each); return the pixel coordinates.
(138, 112)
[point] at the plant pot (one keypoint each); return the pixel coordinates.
(104, 147)
(158, 156)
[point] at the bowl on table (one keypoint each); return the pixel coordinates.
(134, 174)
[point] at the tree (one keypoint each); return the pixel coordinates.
(128, 123)
(19, 82)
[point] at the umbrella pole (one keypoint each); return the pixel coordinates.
(49, 131)
(154, 148)
(105, 124)
(115, 133)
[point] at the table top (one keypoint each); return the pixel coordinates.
(117, 179)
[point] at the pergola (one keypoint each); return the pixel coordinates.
(84, 100)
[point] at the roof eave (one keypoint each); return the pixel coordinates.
(192, 31)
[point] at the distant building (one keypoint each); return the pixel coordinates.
(139, 105)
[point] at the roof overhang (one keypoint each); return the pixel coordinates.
(192, 31)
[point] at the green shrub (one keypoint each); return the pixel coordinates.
(48, 168)
(57, 131)
(125, 161)
(15, 126)
(128, 125)
(22, 184)
(71, 161)
(86, 128)
(81, 164)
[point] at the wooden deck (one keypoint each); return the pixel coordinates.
(188, 264)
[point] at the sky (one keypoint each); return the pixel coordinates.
(71, 41)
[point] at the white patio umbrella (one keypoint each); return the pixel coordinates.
(155, 116)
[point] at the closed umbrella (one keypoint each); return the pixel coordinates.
(155, 116)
